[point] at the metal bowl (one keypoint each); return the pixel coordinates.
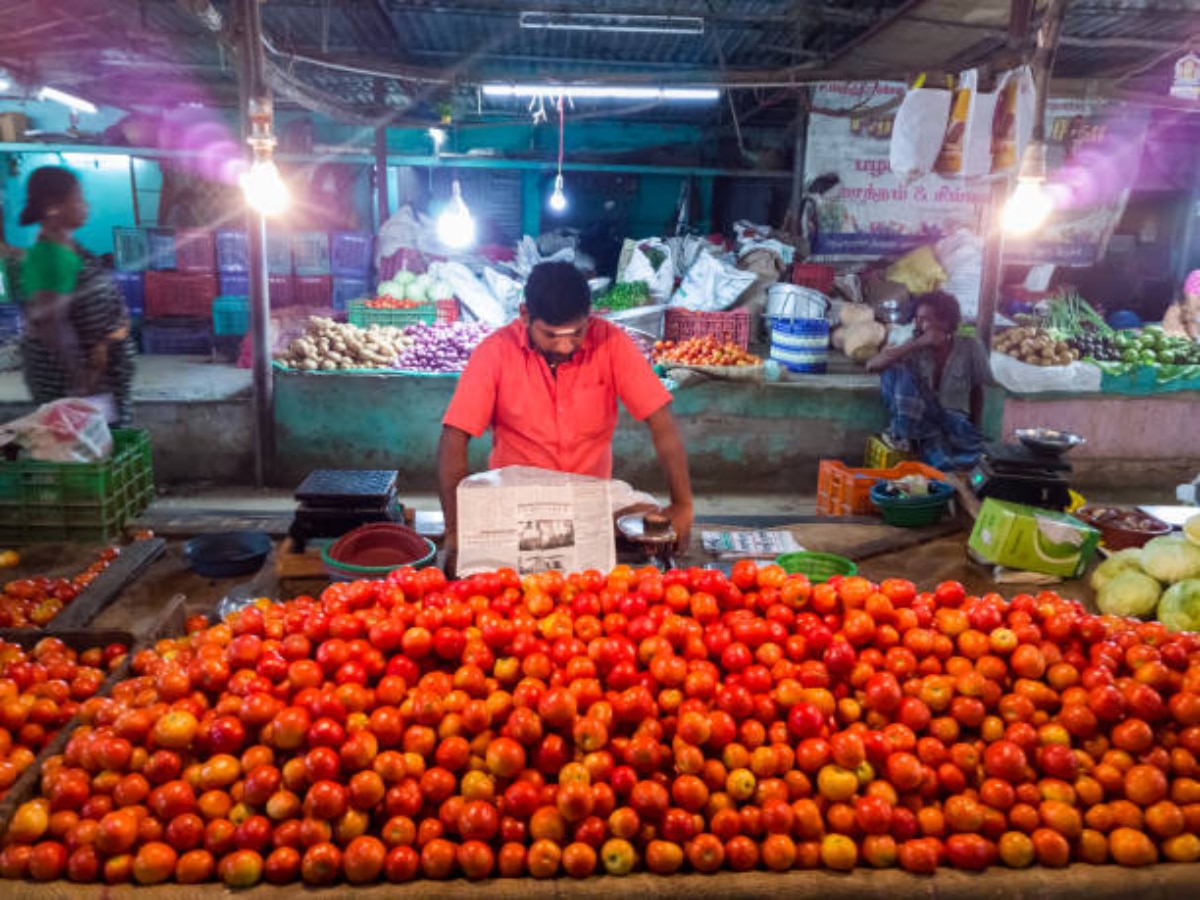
(1048, 440)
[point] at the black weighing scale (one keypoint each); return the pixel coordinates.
(1032, 473)
(335, 501)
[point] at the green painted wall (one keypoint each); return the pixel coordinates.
(739, 435)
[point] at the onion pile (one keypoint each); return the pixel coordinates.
(441, 346)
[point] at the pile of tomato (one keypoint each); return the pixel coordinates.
(40, 690)
(394, 303)
(637, 720)
(703, 351)
(33, 602)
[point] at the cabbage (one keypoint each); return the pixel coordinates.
(1128, 593)
(1171, 558)
(414, 290)
(1191, 529)
(403, 277)
(1129, 559)
(390, 289)
(1179, 608)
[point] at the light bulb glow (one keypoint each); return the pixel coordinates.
(438, 135)
(558, 199)
(264, 188)
(1028, 208)
(455, 227)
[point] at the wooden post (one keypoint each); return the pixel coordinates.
(381, 166)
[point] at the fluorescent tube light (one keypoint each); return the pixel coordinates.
(69, 100)
(552, 21)
(599, 92)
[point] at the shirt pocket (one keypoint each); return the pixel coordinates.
(593, 409)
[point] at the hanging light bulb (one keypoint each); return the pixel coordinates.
(455, 227)
(558, 200)
(1030, 204)
(265, 189)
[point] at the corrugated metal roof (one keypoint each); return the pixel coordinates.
(153, 52)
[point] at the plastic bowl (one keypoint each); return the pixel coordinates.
(912, 512)
(1121, 528)
(817, 566)
(374, 550)
(227, 554)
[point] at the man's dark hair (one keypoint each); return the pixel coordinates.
(944, 307)
(557, 293)
(48, 186)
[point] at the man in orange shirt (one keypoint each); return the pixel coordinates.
(547, 385)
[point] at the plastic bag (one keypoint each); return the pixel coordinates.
(711, 285)
(967, 148)
(509, 292)
(1012, 118)
(67, 430)
(651, 262)
(471, 292)
(1023, 378)
(918, 132)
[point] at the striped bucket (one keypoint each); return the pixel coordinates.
(802, 345)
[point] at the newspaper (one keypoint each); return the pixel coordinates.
(749, 543)
(533, 520)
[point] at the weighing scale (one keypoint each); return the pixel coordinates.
(1032, 473)
(335, 501)
(652, 532)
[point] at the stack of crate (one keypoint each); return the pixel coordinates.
(168, 278)
(350, 255)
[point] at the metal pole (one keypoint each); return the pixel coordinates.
(993, 262)
(800, 150)
(253, 84)
(381, 166)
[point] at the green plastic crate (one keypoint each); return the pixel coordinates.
(43, 501)
(365, 316)
(231, 315)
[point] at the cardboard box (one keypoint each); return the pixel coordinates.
(13, 126)
(1037, 540)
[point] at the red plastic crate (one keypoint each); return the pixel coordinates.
(312, 290)
(447, 310)
(195, 250)
(843, 491)
(814, 275)
(179, 294)
(732, 326)
(282, 290)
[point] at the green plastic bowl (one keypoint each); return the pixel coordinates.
(817, 566)
(912, 512)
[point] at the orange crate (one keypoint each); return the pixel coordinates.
(733, 326)
(843, 491)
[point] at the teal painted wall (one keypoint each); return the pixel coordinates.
(754, 436)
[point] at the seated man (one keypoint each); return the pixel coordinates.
(547, 384)
(932, 387)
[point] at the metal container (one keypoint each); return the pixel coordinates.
(894, 311)
(793, 301)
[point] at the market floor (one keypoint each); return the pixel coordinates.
(157, 378)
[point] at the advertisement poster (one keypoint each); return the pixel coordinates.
(1093, 151)
(872, 213)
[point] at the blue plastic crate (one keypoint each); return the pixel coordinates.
(131, 248)
(279, 253)
(231, 316)
(347, 289)
(233, 252)
(10, 321)
(350, 253)
(132, 286)
(233, 284)
(310, 253)
(161, 248)
(177, 337)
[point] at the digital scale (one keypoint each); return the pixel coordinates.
(334, 501)
(1032, 473)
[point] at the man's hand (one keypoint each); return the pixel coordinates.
(681, 516)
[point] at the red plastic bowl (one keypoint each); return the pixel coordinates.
(381, 545)
(1122, 528)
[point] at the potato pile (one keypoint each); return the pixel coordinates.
(328, 345)
(1035, 346)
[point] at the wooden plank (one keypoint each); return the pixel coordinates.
(109, 584)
